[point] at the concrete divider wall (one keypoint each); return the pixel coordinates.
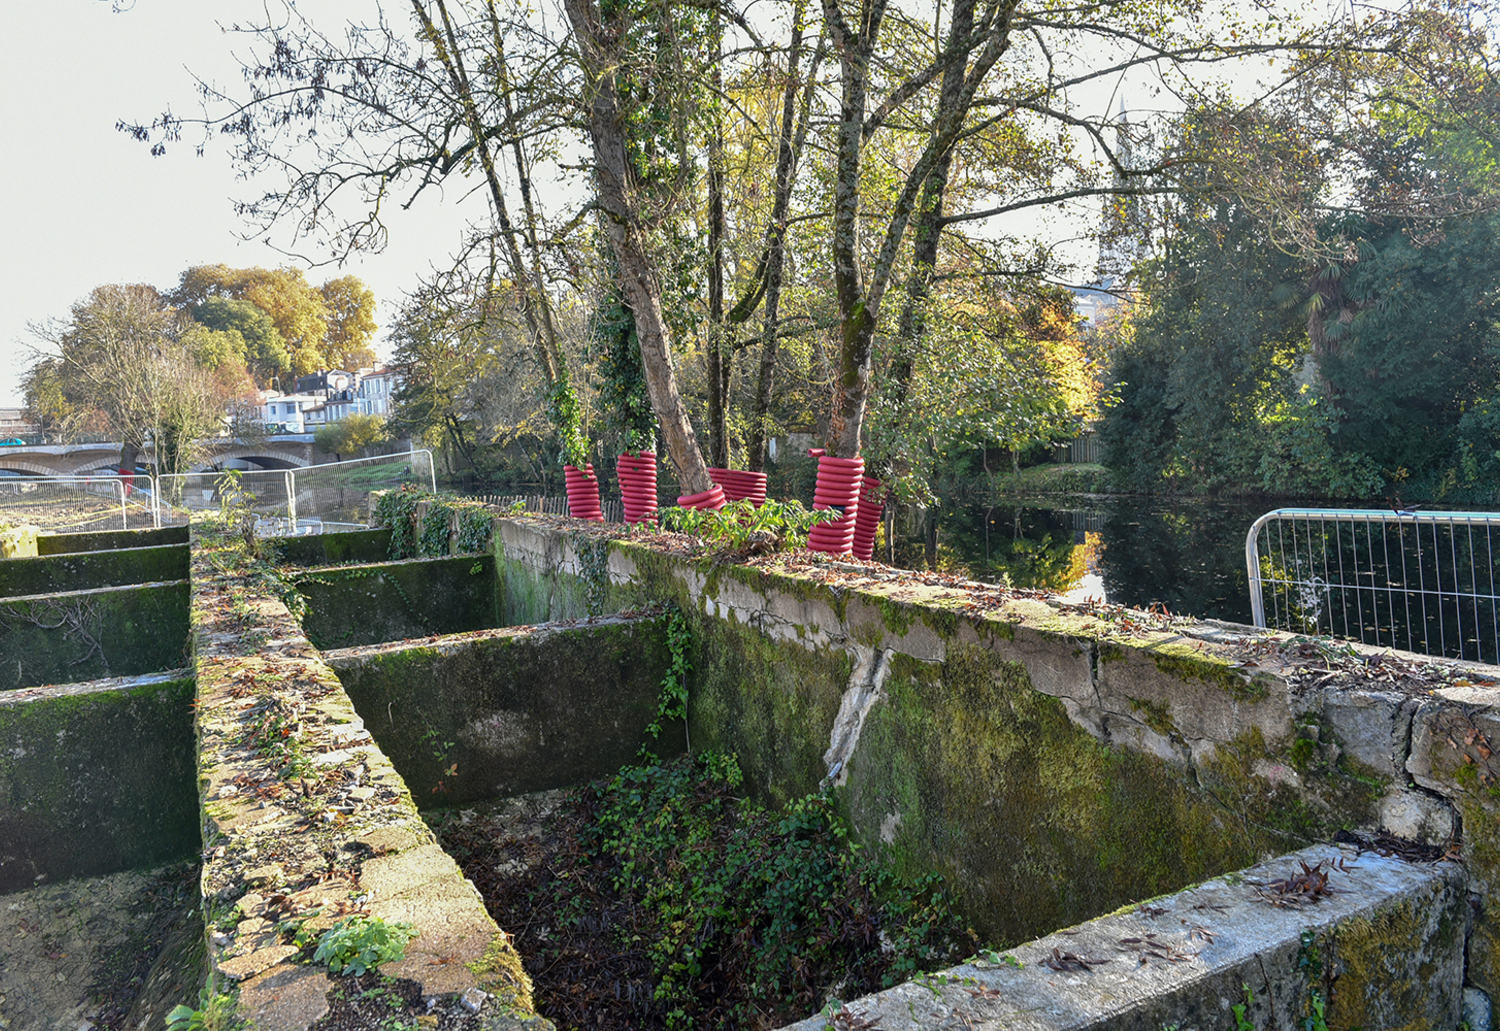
(305, 819)
(88, 570)
(1053, 764)
(506, 712)
(96, 778)
(327, 549)
(109, 540)
(71, 636)
(349, 606)
(1185, 961)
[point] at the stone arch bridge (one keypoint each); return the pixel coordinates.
(289, 451)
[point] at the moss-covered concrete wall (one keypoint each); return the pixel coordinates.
(505, 712)
(1052, 763)
(1382, 951)
(305, 819)
(87, 570)
(75, 636)
(96, 778)
(109, 540)
(349, 606)
(327, 549)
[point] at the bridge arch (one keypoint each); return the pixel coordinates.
(24, 468)
(266, 458)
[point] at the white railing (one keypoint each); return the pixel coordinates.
(1418, 581)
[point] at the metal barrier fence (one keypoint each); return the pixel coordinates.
(64, 504)
(289, 502)
(1084, 448)
(550, 504)
(1418, 581)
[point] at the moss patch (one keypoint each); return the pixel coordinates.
(96, 783)
(1379, 971)
(109, 540)
(1187, 663)
(329, 549)
(505, 715)
(90, 635)
(90, 570)
(392, 601)
(968, 770)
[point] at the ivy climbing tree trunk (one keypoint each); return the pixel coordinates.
(599, 54)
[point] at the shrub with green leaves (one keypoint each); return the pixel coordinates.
(359, 943)
(217, 1012)
(748, 912)
(774, 526)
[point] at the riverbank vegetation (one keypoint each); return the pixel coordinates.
(1339, 335)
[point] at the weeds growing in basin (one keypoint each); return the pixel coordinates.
(672, 702)
(662, 899)
(216, 1012)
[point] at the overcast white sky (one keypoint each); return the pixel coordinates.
(82, 204)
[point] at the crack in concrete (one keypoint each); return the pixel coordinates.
(866, 684)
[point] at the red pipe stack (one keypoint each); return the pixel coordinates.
(637, 474)
(583, 493)
(867, 520)
(741, 486)
(710, 500)
(839, 481)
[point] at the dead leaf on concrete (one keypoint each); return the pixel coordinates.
(1066, 962)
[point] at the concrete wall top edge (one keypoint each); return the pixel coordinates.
(341, 796)
(122, 588)
(20, 696)
(1184, 960)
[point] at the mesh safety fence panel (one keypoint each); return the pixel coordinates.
(78, 503)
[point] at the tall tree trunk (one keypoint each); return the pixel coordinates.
(852, 378)
(718, 360)
(860, 302)
(788, 150)
(598, 47)
(926, 235)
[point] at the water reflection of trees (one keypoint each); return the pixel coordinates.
(1188, 557)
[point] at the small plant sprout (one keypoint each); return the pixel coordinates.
(358, 943)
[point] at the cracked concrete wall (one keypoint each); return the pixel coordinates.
(1052, 763)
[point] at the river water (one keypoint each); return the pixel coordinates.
(1188, 555)
(1185, 554)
